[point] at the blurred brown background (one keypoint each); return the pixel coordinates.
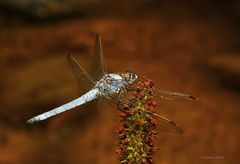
(190, 47)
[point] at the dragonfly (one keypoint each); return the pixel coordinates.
(100, 84)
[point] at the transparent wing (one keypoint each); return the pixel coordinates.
(164, 124)
(99, 68)
(84, 80)
(168, 100)
(106, 104)
(167, 125)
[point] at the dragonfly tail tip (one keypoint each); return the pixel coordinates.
(30, 121)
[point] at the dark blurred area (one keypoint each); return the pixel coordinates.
(186, 46)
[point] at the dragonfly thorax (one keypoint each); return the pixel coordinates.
(111, 84)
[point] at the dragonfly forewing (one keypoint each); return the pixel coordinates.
(99, 68)
(168, 100)
(84, 80)
(167, 125)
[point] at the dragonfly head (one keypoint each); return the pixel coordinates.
(130, 77)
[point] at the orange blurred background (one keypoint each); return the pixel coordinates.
(190, 47)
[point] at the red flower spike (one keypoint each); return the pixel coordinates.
(120, 128)
(125, 104)
(132, 97)
(153, 121)
(131, 112)
(154, 103)
(150, 108)
(122, 114)
(142, 94)
(119, 151)
(138, 127)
